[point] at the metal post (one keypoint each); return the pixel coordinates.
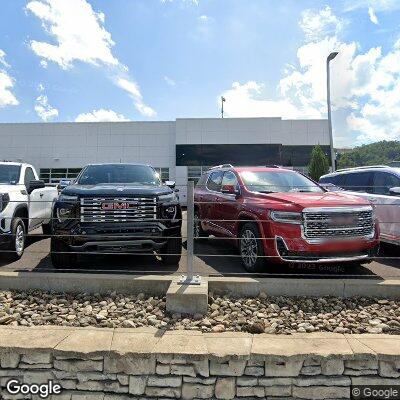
(328, 101)
(222, 106)
(190, 279)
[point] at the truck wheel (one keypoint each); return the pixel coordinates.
(46, 228)
(251, 248)
(18, 238)
(198, 231)
(171, 252)
(61, 258)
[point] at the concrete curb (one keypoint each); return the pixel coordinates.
(237, 287)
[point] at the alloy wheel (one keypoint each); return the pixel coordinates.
(249, 248)
(19, 240)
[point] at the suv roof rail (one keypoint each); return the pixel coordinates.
(273, 166)
(222, 166)
(363, 167)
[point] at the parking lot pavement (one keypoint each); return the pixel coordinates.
(215, 257)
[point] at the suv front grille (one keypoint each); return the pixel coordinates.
(338, 223)
(118, 209)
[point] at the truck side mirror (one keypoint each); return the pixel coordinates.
(33, 185)
(64, 183)
(170, 184)
(395, 191)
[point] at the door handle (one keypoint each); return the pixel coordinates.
(372, 200)
(41, 195)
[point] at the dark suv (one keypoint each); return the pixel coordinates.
(281, 215)
(116, 208)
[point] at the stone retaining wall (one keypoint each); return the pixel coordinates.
(117, 364)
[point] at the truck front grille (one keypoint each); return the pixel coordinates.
(338, 223)
(118, 209)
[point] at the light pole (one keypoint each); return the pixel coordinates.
(328, 100)
(222, 106)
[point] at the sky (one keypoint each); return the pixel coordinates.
(102, 60)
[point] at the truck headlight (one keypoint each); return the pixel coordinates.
(63, 213)
(4, 200)
(166, 198)
(169, 211)
(68, 199)
(286, 217)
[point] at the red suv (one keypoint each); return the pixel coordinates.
(276, 214)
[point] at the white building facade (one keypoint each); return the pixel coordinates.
(179, 150)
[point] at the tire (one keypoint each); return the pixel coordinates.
(171, 252)
(251, 248)
(61, 258)
(47, 230)
(198, 231)
(18, 240)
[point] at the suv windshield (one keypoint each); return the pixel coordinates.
(278, 181)
(119, 173)
(9, 174)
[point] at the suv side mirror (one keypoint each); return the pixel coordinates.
(170, 184)
(395, 191)
(33, 185)
(229, 189)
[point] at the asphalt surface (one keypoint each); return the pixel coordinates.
(214, 257)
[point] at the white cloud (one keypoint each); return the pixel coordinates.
(133, 90)
(365, 86)
(169, 81)
(204, 18)
(377, 5)
(43, 109)
(372, 16)
(246, 100)
(80, 36)
(194, 2)
(100, 115)
(318, 24)
(7, 97)
(77, 30)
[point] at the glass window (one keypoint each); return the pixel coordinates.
(53, 175)
(195, 172)
(383, 181)
(214, 181)
(229, 179)
(9, 173)
(119, 173)
(29, 176)
(278, 181)
(358, 182)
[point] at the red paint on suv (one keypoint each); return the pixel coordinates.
(279, 215)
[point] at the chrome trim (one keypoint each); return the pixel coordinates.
(341, 210)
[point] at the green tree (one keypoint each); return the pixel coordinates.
(319, 164)
(377, 153)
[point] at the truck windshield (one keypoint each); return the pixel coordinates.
(9, 174)
(120, 174)
(278, 182)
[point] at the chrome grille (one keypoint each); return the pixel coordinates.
(338, 223)
(118, 209)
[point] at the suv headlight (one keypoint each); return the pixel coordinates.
(4, 200)
(286, 217)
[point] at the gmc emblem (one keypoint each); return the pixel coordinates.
(119, 205)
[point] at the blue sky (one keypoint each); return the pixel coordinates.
(96, 60)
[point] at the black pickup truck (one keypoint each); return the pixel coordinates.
(116, 208)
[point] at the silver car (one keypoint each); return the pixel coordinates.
(380, 185)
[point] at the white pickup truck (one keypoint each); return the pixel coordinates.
(25, 204)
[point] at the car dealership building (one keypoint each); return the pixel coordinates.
(180, 149)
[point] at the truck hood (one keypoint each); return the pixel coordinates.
(113, 190)
(326, 199)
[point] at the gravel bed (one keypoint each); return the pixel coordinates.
(279, 315)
